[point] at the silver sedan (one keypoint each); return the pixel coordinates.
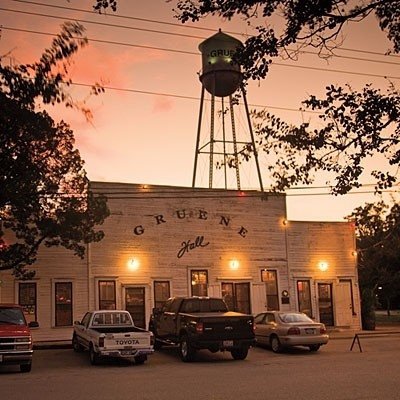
(280, 329)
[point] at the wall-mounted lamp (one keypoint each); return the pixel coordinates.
(354, 253)
(323, 266)
(133, 264)
(285, 222)
(234, 264)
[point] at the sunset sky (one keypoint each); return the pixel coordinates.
(145, 132)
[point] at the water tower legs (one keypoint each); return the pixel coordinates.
(230, 152)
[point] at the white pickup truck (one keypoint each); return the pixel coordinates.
(112, 333)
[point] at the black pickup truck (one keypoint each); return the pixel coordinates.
(196, 323)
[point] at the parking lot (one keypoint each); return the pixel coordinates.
(331, 373)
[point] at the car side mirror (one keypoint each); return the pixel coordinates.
(77, 323)
(33, 324)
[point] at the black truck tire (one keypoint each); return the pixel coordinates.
(240, 353)
(76, 345)
(187, 352)
(139, 360)
(93, 356)
(25, 367)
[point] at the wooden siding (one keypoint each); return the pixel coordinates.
(217, 225)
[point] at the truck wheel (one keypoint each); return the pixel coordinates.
(187, 352)
(139, 360)
(25, 367)
(76, 345)
(93, 356)
(240, 354)
(157, 344)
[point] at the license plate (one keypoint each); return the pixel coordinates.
(227, 343)
(310, 331)
(126, 352)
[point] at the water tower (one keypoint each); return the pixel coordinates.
(221, 78)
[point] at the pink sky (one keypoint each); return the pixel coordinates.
(145, 138)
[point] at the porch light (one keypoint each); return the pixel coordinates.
(133, 264)
(285, 222)
(323, 266)
(234, 264)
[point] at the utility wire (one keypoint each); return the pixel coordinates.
(85, 21)
(192, 53)
(180, 35)
(189, 97)
(178, 25)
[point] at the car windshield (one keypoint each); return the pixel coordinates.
(12, 316)
(288, 318)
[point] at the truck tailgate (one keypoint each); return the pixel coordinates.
(127, 341)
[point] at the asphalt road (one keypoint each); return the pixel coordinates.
(332, 373)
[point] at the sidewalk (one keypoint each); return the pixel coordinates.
(381, 329)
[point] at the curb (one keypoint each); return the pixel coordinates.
(52, 345)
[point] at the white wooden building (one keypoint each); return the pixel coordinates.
(162, 241)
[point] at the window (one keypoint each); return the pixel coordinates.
(270, 278)
(161, 293)
(27, 299)
(107, 295)
(199, 281)
(304, 297)
(63, 303)
(259, 319)
(86, 319)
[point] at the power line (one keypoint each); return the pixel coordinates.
(178, 34)
(119, 16)
(102, 23)
(186, 97)
(104, 41)
(179, 25)
(192, 53)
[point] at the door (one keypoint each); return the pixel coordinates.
(325, 303)
(265, 325)
(135, 304)
(237, 296)
(344, 303)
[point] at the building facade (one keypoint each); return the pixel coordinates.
(162, 241)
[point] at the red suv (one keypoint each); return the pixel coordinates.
(15, 337)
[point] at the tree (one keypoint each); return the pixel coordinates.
(45, 196)
(357, 124)
(378, 241)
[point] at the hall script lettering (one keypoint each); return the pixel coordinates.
(188, 245)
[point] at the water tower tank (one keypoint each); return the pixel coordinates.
(220, 76)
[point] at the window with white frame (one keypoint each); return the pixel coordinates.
(162, 293)
(107, 295)
(27, 298)
(199, 282)
(63, 303)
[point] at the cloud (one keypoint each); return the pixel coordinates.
(162, 104)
